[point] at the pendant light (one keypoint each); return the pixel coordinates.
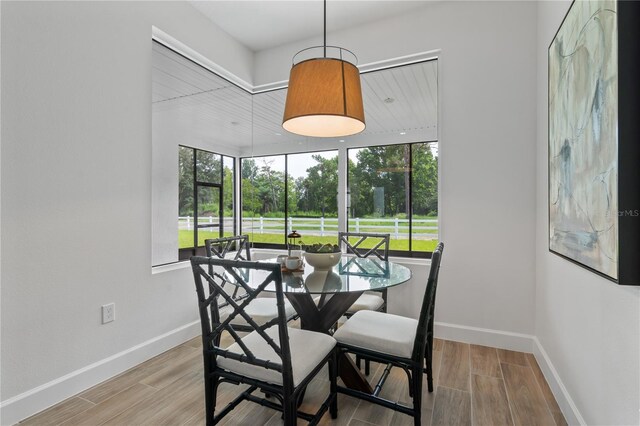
(324, 98)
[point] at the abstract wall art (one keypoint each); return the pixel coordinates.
(594, 139)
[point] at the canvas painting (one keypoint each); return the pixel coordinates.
(583, 139)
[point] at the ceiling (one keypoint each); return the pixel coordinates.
(206, 110)
(264, 24)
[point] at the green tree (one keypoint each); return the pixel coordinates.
(185, 181)
(425, 180)
(389, 168)
(270, 185)
(317, 192)
(228, 191)
(250, 201)
(262, 187)
(249, 168)
(208, 166)
(380, 167)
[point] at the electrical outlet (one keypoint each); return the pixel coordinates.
(108, 313)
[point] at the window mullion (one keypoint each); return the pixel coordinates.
(343, 188)
(195, 202)
(410, 206)
(286, 197)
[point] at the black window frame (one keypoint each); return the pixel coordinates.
(399, 253)
(237, 179)
(286, 194)
(396, 253)
(186, 252)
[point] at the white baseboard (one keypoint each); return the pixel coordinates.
(37, 399)
(484, 336)
(44, 396)
(568, 407)
(516, 342)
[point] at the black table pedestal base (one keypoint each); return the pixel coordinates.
(321, 318)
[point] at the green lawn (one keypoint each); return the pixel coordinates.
(185, 237)
(185, 240)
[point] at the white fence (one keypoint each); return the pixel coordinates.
(398, 228)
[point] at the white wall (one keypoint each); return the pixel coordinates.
(76, 185)
(486, 78)
(76, 171)
(589, 326)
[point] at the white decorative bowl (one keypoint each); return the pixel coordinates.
(322, 261)
(320, 281)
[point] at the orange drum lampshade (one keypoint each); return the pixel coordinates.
(324, 99)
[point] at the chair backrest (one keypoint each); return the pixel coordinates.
(370, 268)
(209, 290)
(380, 247)
(219, 247)
(427, 312)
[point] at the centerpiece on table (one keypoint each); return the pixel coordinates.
(322, 257)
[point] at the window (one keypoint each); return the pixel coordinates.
(310, 182)
(313, 196)
(390, 188)
(205, 199)
(263, 199)
(394, 189)
(199, 122)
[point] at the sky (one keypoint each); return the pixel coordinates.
(299, 163)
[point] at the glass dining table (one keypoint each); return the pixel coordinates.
(321, 297)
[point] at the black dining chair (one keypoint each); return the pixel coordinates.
(398, 342)
(379, 248)
(372, 300)
(262, 309)
(223, 247)
(273, 358)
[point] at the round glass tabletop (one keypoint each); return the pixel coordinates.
(352, 274)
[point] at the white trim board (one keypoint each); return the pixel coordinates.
(44, 396)
(175, 44)
(516, 342)
(160, 36)
(363, 68)
(569, 409)
(484, 336)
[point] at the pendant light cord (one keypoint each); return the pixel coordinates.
(325, 28)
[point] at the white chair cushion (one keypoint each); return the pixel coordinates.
(308, 349)
(367, 301)
(380, 332)
(261, 309)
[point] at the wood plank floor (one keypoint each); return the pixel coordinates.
(474, 385)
